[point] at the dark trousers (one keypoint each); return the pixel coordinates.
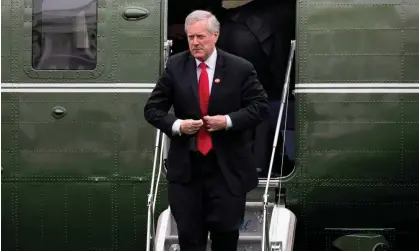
(206, 205)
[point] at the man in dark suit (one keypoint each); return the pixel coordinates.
(217, 101)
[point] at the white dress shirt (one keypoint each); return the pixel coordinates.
(210, 62)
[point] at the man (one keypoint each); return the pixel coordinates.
(217, 101)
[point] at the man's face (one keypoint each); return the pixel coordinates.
(201, 41)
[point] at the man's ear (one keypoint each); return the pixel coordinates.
(216, 34)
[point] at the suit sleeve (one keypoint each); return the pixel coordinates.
(255, 105)
(159, 103)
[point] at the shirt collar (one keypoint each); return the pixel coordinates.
(210, 62)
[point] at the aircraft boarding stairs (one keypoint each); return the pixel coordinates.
(281, 229)
(267, 226)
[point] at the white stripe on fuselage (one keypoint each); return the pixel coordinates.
(356, 85)
(78, 87)
(148, 87)
(357, 88)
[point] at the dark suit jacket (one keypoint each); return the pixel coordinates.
(238, 94)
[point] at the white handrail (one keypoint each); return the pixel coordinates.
(163, 139)
(151, 195)
(285, 94)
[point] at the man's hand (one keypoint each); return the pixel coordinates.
(215, 123)
(190, 126)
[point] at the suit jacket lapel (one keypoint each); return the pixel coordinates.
(218, 76)
(215, 87)
(193, 80)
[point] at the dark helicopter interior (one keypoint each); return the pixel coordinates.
(261, 32)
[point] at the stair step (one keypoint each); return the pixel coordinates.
(273, 182)
(245, 243)
(256, 195)
(242, 238)
(252, 223)
(251, 204)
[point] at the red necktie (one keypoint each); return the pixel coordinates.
(204, 142)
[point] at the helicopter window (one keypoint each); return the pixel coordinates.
(64, 35)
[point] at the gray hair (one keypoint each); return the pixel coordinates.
(198, 15)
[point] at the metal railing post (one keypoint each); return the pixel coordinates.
(284, 99)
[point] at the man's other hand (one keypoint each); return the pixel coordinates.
(190, 126)
(215, 123)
